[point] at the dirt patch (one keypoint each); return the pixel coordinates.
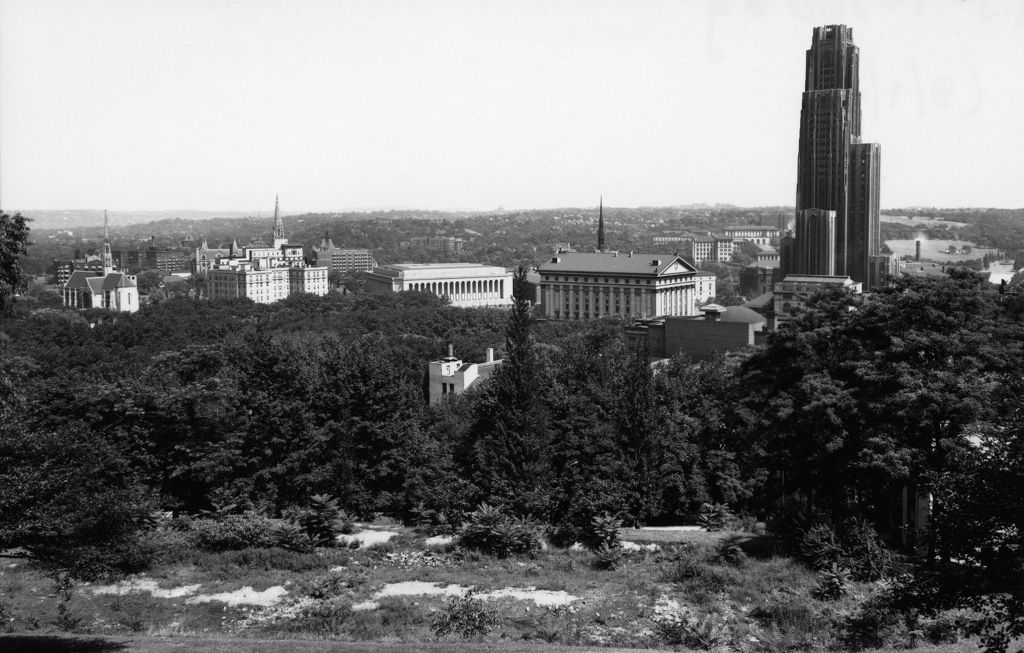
(439, 540)
(542, 598)
(367, 538)
(147, 585)
(418, 587)
(245, 596)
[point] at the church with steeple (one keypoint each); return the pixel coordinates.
(111, 290)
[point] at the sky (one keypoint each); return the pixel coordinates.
(478, 104)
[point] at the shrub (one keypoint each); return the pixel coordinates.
(856, 547)
(293, 537)
(231, 532)
(320, 518)
(821, 547)
(324, 618)
(874, 625)
(715, 517)
(492, 531)
(608, 557)
(730, 553)
(466, 616)
(865, 552)
(603, 532)
(833, 583)
(682, 628)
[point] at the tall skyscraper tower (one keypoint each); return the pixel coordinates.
(837, 201)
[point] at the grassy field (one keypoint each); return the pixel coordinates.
(391, 597)
(920, 221)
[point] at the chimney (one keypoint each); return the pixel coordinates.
(490, 354)
(451, 351)
(713, 312)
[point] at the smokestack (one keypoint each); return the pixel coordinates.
(917, 255)
(490, 354)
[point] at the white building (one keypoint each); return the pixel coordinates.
(450, 376)
(110, 290)
(757, 234)
(706, 287)
(592, 285)
(265, 274)
(464, 284)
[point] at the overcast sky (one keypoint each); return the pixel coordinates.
(475, 104)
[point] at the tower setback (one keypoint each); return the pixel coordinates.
(836, 173)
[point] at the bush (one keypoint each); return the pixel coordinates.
(682, 628)
(603, 532)
(855, 547)
(821, 547)
(323, 618)
(833, 583)
(715, 517)
(231, 532)
(866, 554)
(466, 616)
(293, 537)
(874, 625)
(492, 531)
(320, 518)
(607, 557)
(730, 553)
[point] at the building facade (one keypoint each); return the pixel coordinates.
(837, 200)
(721, 330)
(464, 284)
(345, 261)
(265, 274)
(795, 290)
(449, 376)
(585, 286)
(107, 289)
(448, 244)
(757, 234)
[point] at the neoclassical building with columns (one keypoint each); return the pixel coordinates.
(584, 286)
(464, 284)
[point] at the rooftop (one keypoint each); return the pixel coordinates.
(615, 263)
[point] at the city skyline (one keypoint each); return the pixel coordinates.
(456, 106)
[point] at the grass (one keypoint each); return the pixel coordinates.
(766, 597)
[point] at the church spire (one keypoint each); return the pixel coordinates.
(279, 238)
(600, 225)
(108, 257)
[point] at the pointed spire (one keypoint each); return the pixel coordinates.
(279, 238)
(108, 257)
(600, 225)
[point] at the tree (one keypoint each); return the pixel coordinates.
(13, 244)
(508, 452)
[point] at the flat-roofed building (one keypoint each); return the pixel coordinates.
(464, 284)
(584, 286)
(795, 289)
(722, 329)
(450, 376)
(345, 261)
(757, 234)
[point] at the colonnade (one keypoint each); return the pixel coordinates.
(463, 289)
(568, 301)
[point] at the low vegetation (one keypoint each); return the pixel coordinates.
(698, 590)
